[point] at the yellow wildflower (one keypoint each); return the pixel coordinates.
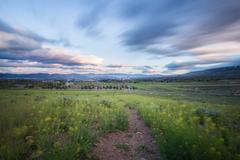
(47, 119)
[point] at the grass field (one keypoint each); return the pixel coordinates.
(64, 124)
(220, 92)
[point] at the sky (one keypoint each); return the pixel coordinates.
(118, 36)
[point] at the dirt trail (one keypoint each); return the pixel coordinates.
(134, 144)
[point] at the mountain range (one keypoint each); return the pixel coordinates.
(224, 73)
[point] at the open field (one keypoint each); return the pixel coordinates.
(187, 120)
(221, 92)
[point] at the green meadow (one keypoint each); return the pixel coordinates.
(64, 124)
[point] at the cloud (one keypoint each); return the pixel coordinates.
(145, 69)
(89, 23)
(24, 45)
(148, 34)
(117, 65)
(225, 52)
(181, 25)
(206, 31)
(137, 67)
(213, 55)
(19, 66)
(142, 67)
(188, 65)
(63, 56)
(13, 39)
(150, 71)
(195, 39)
(16, 42)
(25, 64)
(94, 13)
(167, 28)
(196, 65)
(4, 27)
(134, 68)
(52, 55)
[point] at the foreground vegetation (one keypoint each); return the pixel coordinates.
(55, 125)
(64, 124)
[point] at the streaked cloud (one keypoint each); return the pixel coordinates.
(186, 23)
(117, 65)
(19, 45)
(142, 69)
(63, 56)
(204, 30)
(120, 36)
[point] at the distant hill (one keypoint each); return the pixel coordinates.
(223, 73)
(216, 73)
(220, 73)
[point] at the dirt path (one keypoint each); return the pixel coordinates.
(134, 144)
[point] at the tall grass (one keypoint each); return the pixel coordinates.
(188, 131)
(65, 124)
(57, 126)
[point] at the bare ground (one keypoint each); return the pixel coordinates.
(136, 143)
